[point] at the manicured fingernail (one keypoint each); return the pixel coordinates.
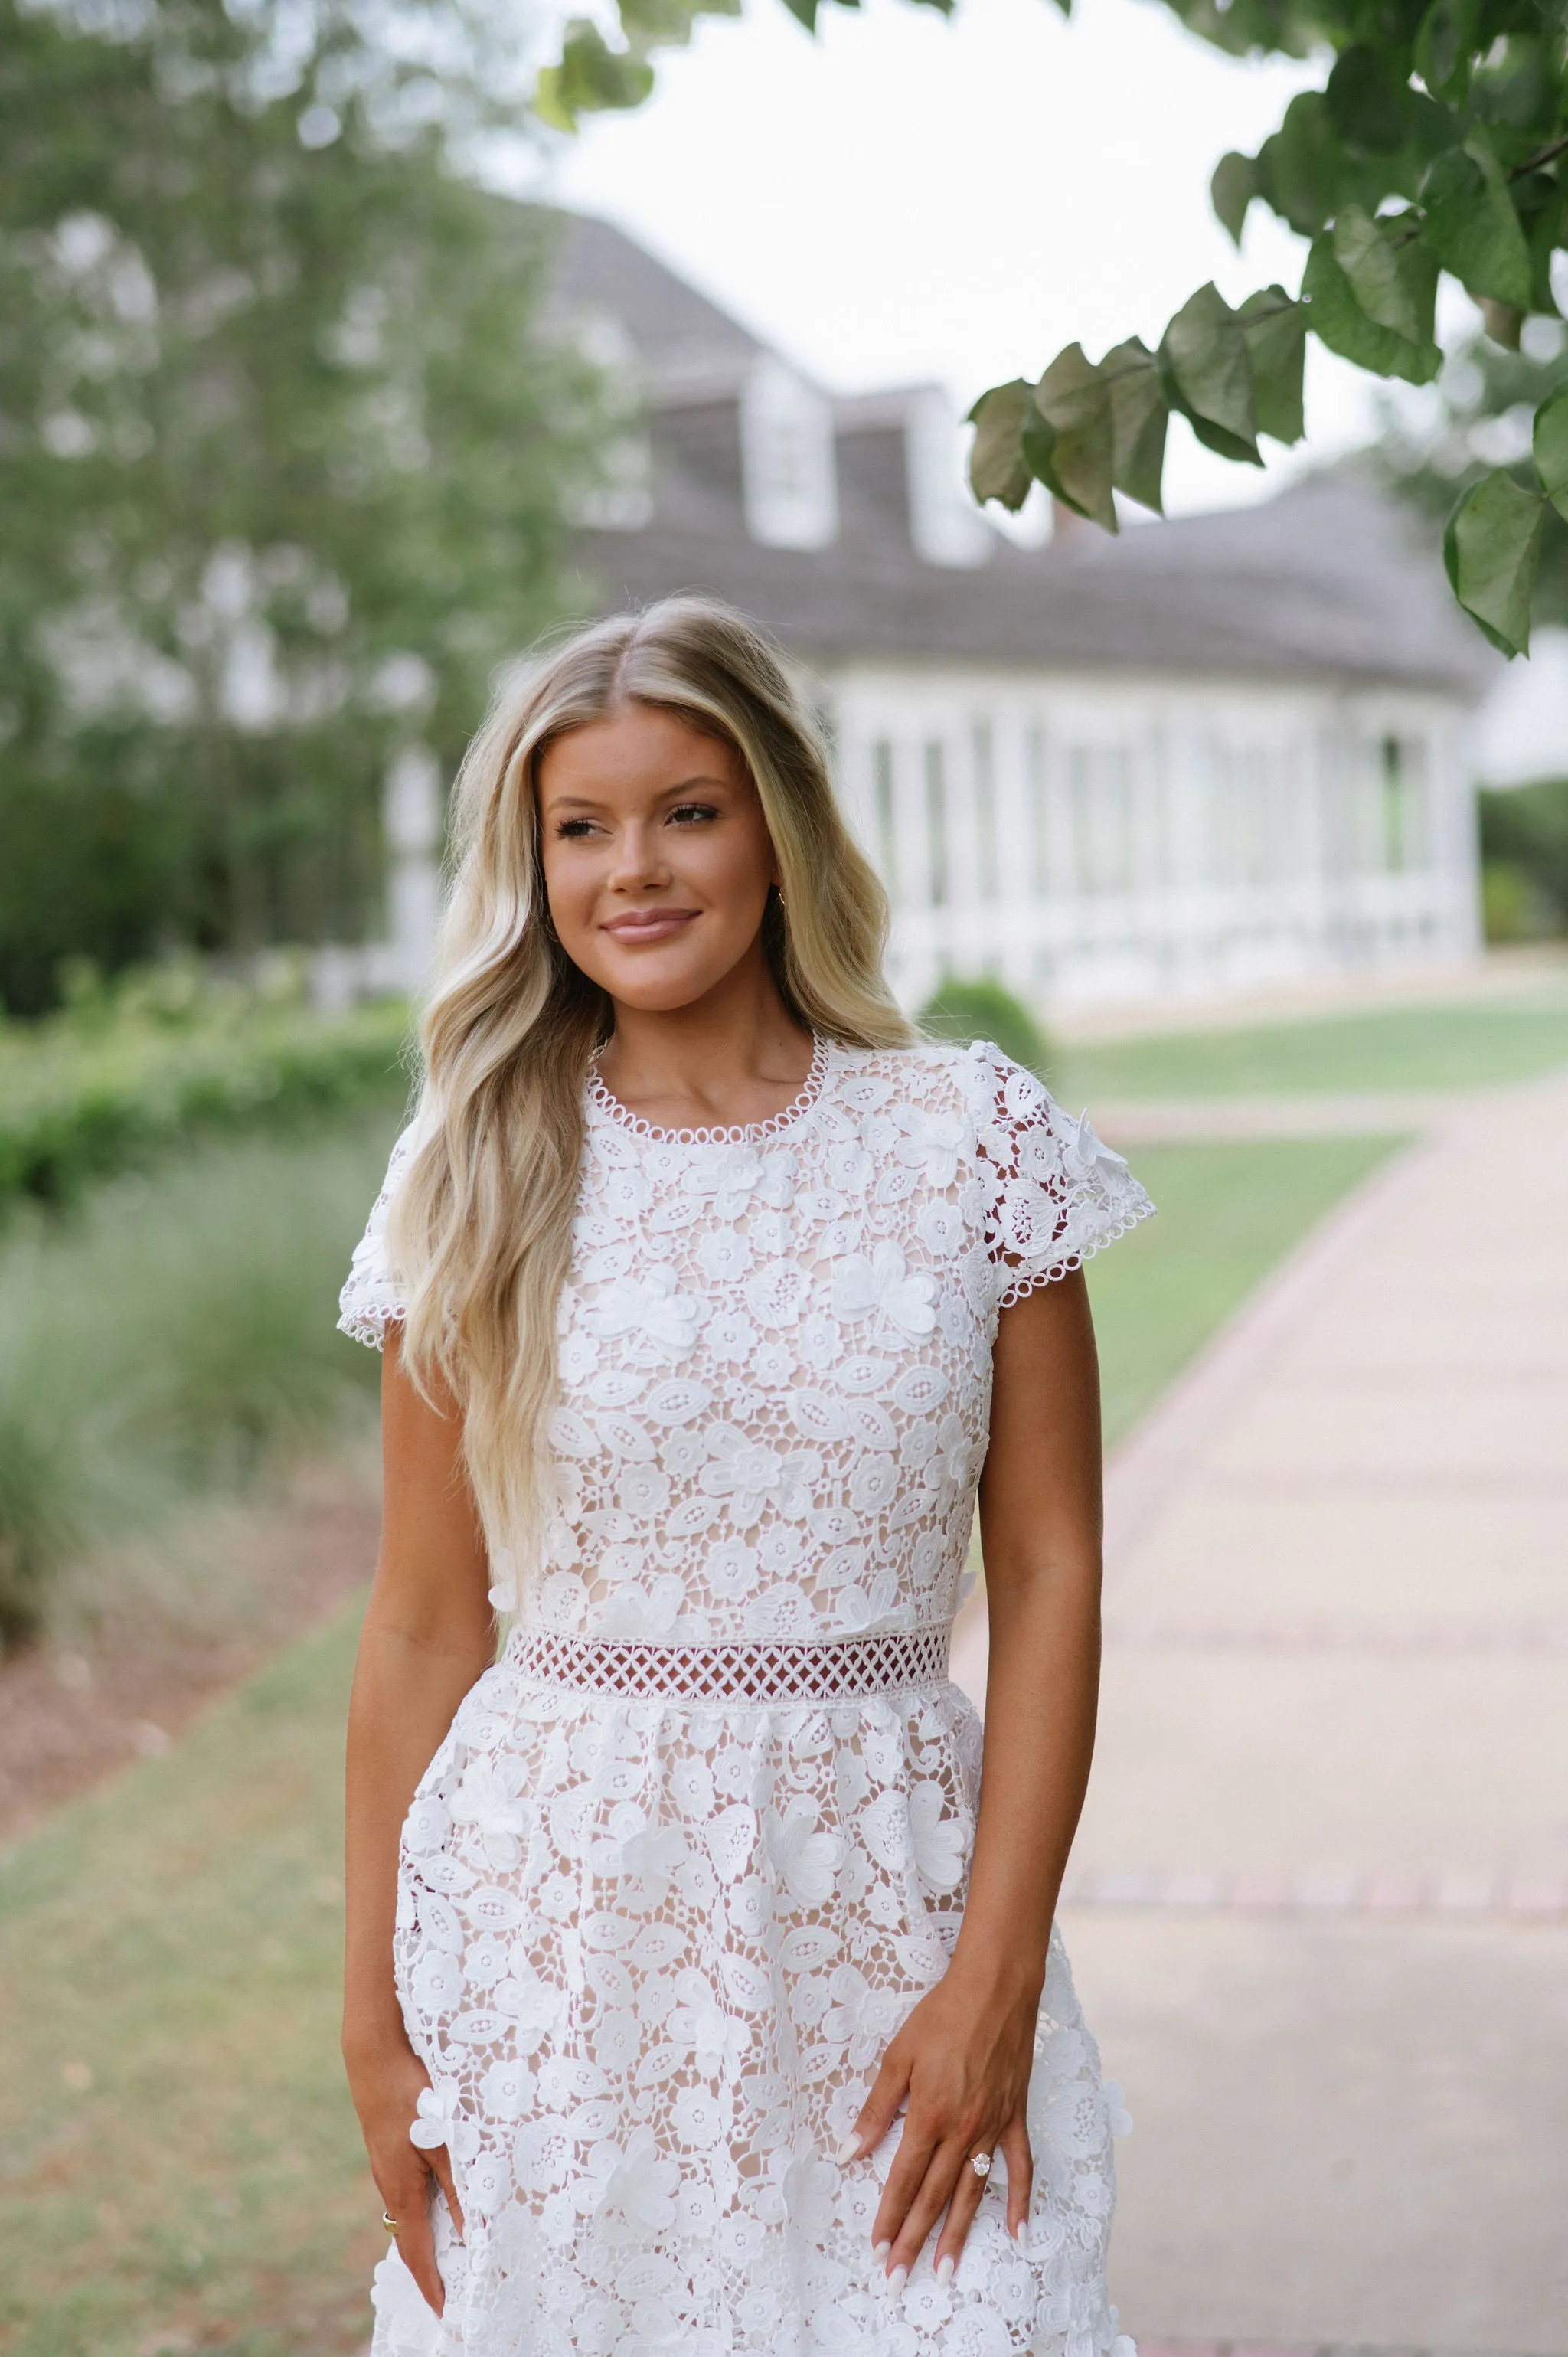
(880, 2254)
(1021, 2237)
(847, 2150)
(898, 2278)
(945, 2268)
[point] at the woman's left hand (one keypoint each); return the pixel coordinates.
(960, 2067)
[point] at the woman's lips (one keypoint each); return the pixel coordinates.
(647, 924)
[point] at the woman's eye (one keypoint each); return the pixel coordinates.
(572, 830)
(693, 813)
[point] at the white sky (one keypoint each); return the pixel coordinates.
(909, 197)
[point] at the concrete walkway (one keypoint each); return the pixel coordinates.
(1319, 1907)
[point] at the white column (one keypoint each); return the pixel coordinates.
(412, 818)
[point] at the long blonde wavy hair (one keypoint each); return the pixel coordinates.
(480, 1229)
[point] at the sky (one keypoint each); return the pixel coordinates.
(909, 198)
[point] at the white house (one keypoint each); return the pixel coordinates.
(1208, 755)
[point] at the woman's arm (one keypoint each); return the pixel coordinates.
(961, 2062)
(428, 1634)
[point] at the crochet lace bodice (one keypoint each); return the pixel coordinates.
(775, 1346)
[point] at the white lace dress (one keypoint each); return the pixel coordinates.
(697, 1844)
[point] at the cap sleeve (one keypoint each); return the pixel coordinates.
(371, 1299)
(1054, 1193)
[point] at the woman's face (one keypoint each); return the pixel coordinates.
(657, 856)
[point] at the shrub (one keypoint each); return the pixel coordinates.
(1513, 906)
(1524, 851)
(172, 1337)
(123, 1075)
(982, 1009)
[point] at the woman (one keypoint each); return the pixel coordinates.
(699, 2011)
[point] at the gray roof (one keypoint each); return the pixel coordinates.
(1326, 581)
(685, 343)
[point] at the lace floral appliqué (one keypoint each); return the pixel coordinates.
(653, 1939)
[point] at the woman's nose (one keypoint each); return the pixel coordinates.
(640, 860)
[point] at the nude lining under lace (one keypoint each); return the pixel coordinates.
(739, 1134)
(699, 1840)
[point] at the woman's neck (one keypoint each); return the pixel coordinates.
(730, 1059)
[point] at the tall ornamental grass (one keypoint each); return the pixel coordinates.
(169, 1339)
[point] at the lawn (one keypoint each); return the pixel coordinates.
(1227, 1214)
(1466, 1046)
(181, 2161)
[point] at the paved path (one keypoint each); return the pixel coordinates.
(1319, 1907)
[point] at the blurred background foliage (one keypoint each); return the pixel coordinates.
(290, 449)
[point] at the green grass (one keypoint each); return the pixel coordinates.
(1394, 1047)
(1227, 1214)
(176, 1936)
(181, 2165)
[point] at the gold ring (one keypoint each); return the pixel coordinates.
(980, 2163)
(389, 2222)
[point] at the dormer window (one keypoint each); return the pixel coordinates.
(945, 525)
(787, 458)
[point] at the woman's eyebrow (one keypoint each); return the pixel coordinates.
(665, 793)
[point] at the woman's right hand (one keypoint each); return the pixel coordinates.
(387, 2082)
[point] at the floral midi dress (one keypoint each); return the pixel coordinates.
(696, 1844)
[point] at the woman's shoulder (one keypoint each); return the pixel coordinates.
(929, 1073)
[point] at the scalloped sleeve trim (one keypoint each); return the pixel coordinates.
(1055, 1193)
(371, 1298)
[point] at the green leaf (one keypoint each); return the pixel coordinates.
(1392, 277)
(1537, 199)
(1364, 100)
(590, 78)
(1208, 371)
(1550, 443)
(996, 466)
(1338, 320)
(1075, 460)
(1275, 330)
(1300, 165)
(805, 11)
(1472, 227)
(1231, 190)
(1491, 548)
(668, 24)
(1138, 415)
(1449, 34)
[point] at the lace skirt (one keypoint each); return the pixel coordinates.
(660, 1910)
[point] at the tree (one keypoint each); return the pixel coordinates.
(1436, 144)
(1478, 417)
(288, 457)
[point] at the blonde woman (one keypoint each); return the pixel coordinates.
(702, 1994)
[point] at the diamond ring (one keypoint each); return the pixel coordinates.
(980, 2163)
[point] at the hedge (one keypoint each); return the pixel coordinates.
(101, 1087)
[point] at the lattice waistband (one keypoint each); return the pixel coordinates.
(770, 1670)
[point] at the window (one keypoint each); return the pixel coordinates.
(787, 459)
(1404, 807)
(984, 750)
(885, 813)
(937, 822)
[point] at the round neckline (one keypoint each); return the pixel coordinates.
(605, 1102)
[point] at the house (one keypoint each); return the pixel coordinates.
(1208, 755)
